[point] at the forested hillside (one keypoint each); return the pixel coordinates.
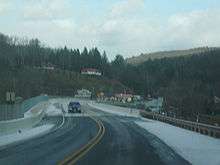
(16, 52)
(173, 53)
(22, 63)
(188, 83)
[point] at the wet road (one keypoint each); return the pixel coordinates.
(123, 143)
(51, 148)
(126, 143)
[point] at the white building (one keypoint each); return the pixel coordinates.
(91, 71)
(124, 97)
(155, 105)
(83, 93)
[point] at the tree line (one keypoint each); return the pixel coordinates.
(188, 83)
(17, 52)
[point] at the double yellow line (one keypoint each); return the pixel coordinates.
(72, 159)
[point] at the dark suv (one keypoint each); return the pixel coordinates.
(74, 107)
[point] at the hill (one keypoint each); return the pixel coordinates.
(189, 80)
(189, 84)
(175, 53)
(28, 81)
(25, 67)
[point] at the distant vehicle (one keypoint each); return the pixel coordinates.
(74, 107)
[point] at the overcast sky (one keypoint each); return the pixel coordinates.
(126, 27)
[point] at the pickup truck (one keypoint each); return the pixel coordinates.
(74, 107)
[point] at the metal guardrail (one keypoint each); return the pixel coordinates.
(210, 130)
(206, 129)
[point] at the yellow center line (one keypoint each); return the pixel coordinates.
(87, 147)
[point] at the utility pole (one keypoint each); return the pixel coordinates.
(197, 118)
(146, 84)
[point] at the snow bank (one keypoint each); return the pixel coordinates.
(63, 101)
(52, 110)
(115, 109)
(9, 130)
(76, 115)
(25, 134)
(31, 118)
(194, 147)
(36, 110)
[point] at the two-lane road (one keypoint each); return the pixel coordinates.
(126, 143)
(122, 143)
(53, 147)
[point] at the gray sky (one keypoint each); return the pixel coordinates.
(127, 27)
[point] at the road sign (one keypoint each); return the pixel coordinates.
(10, 96)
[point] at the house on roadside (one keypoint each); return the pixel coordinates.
(123, 97)
(155, 105)
(47, 67)
(83, 93)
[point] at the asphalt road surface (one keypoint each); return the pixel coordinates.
(51, 148)
(126, 143)
(123, 143)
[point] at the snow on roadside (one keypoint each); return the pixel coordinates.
(36, 110)
(194, 147)
(122, 111)
(25, 134)
(63, 101)
(52, 110)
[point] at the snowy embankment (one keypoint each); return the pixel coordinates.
(61, 101)
(31, 118)
(52, 110)
(23, 132)
(24, 135)
(55, 107)
(115, 109)
(196, 148)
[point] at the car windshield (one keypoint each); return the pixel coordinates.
(100, 82)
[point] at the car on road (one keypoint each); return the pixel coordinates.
(74, 107)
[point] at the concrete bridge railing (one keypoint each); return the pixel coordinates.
(30, 119)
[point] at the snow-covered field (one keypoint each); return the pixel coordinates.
(25, 134)
(194, 147)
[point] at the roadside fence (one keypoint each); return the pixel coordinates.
(210, 130)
